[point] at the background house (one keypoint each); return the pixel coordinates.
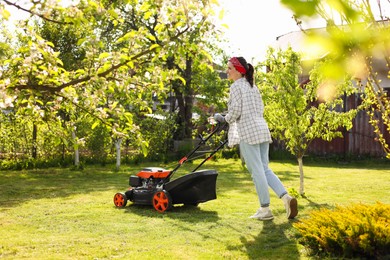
(361, 139)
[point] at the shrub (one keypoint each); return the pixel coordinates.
(355, 231)
(158, 133)
(30, 163)
(99, 143)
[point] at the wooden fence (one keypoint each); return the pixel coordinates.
(358, 141)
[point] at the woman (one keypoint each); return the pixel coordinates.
(248, 128)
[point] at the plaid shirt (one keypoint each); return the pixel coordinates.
(245, 115)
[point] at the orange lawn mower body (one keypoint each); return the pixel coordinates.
(153, 185)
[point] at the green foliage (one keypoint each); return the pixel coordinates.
(16, 137)
(378, 105)
(98, 144)
(295, 112)
(293, 192)
(356, 38)
(301, 8)
(213, 90)
(358, 230)
(99, 63)
(158, 133)
(30, 163)
(230, 153)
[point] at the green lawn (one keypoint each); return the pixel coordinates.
(63, 214)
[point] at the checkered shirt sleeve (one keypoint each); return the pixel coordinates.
(245, 115)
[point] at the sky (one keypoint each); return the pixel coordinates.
(255, 24)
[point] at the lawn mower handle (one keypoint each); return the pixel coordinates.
(222, 144)
(219, 127)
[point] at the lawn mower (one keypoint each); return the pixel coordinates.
(153, 185)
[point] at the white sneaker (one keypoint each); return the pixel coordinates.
(263, 214)
(291, 205)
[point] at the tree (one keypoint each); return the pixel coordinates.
(190, 59)
(64, 39)
(297, 113)
(120, 49)
(358, 33)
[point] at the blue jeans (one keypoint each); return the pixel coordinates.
(256, 159)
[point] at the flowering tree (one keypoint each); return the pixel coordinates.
(99, 61)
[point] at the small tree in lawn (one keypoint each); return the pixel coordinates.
(294, 112)
(357, 38)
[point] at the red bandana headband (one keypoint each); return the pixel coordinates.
(239, 67)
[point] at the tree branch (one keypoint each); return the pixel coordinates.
(103, 74)
(34, 13)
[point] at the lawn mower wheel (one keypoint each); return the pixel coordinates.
(162, 201)
(120, 200)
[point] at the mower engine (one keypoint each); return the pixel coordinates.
(149, 183)
(145, 184)
(149, 178)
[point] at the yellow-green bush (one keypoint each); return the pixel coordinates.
(357, 230)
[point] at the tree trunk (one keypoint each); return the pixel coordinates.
(188, 98)
(118, 152)
(34, 141)
(301, 178)
(76, 150)
(63, 151)
(180, 131)
(185, 98)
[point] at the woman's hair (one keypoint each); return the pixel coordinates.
(249, 70)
